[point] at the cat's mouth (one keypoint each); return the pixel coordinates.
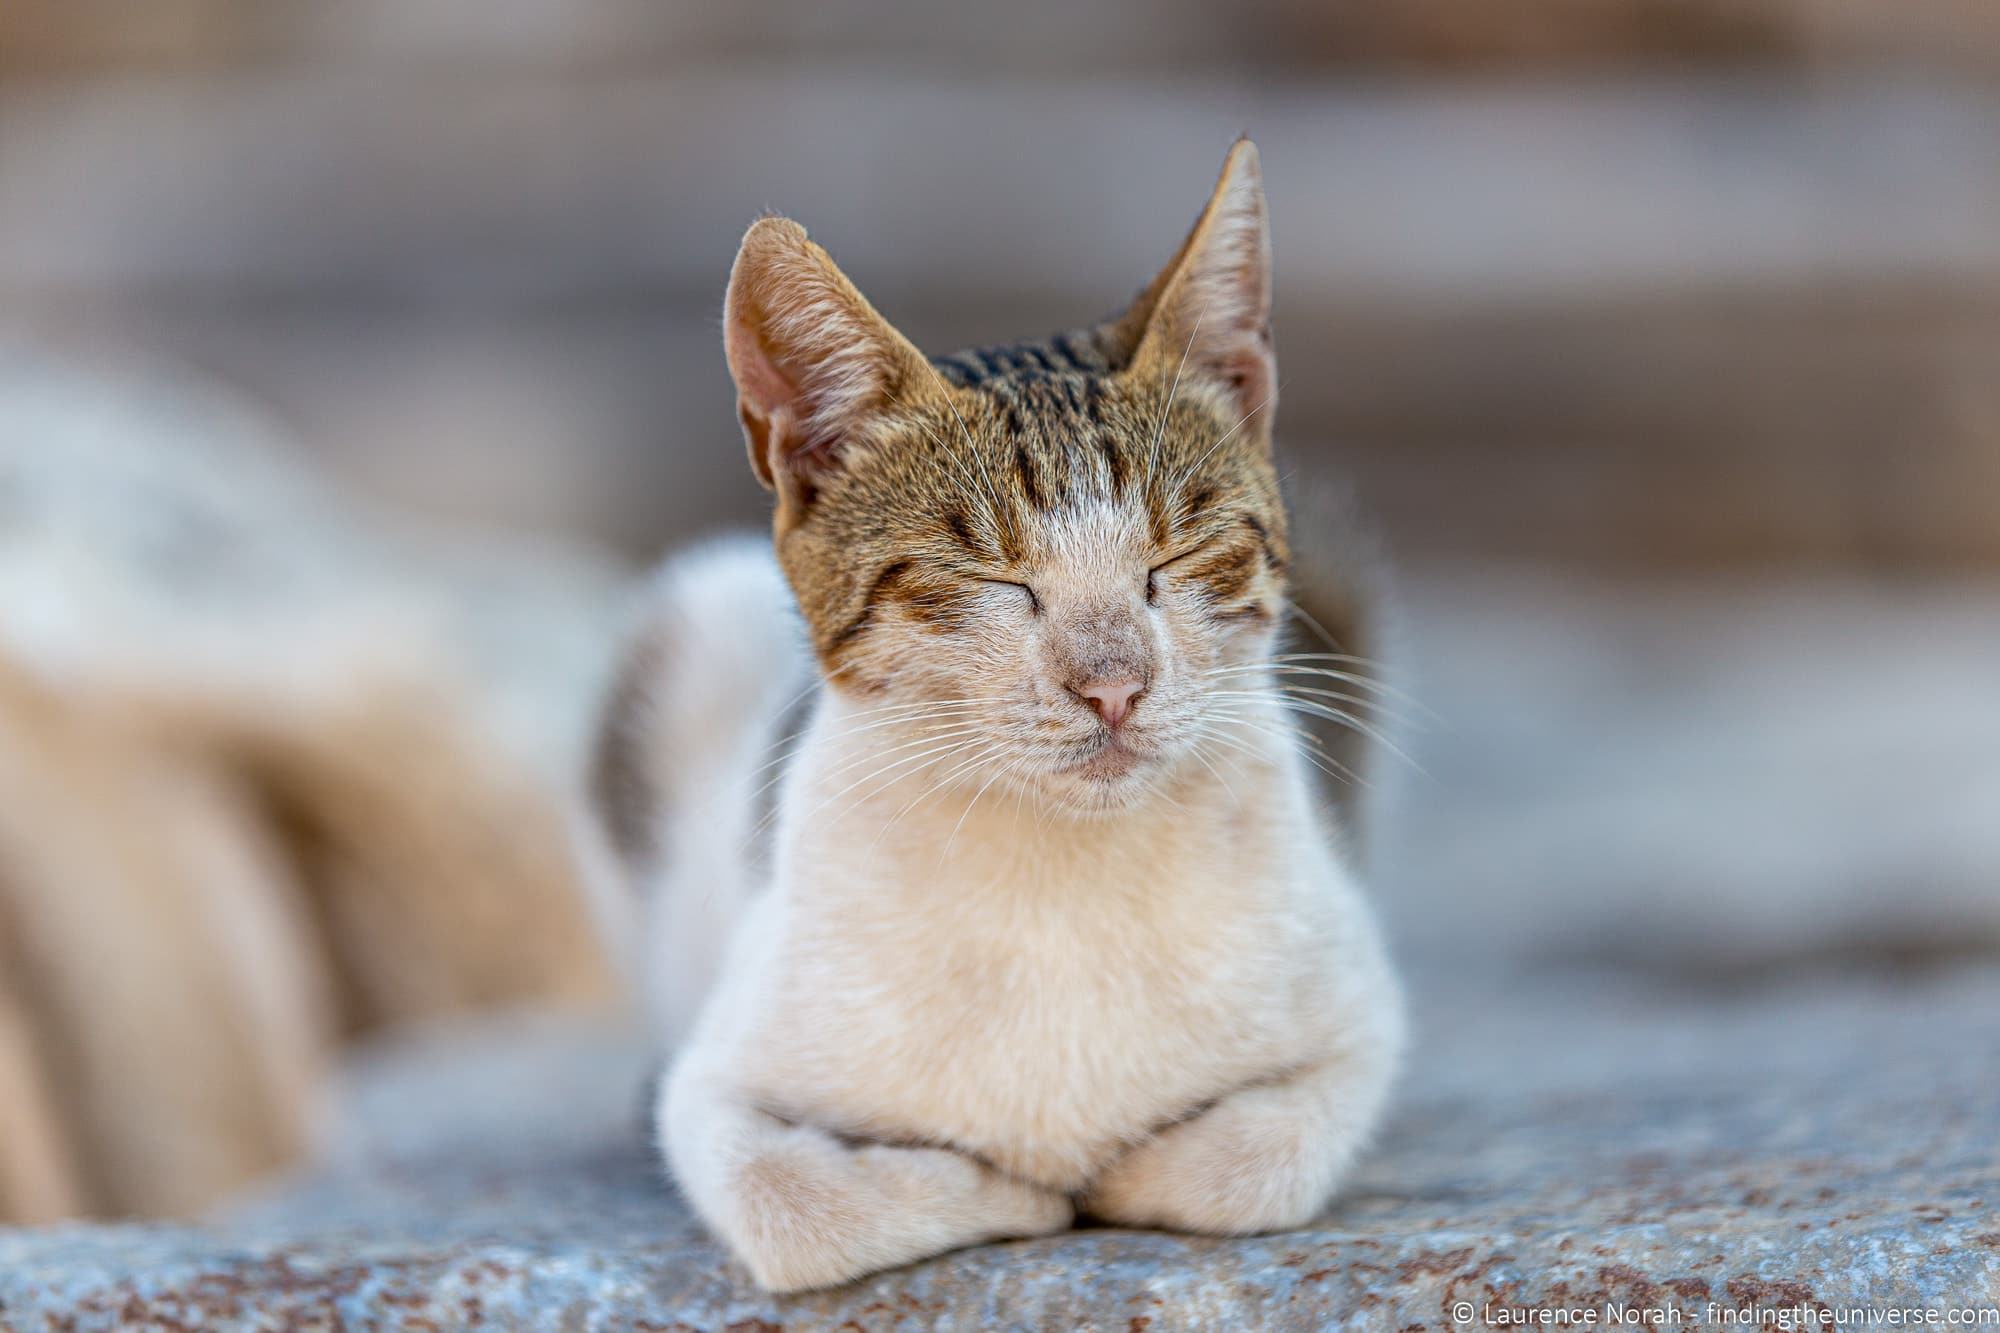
(1111, 760)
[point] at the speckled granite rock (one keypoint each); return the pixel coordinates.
(1560, 1145)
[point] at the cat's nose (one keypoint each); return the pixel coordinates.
(1112, 699)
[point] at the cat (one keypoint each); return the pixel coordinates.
(1050, 920)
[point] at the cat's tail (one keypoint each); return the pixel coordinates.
(682, 765)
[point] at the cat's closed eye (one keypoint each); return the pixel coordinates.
(1153, 574)
(1034, 603)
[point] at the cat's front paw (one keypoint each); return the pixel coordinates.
(825, 1216)
(1247, 1165)
(1024, 1211)
(1000, 1206)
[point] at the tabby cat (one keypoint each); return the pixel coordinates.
(1050, 919)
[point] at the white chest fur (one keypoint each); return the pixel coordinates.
(1038, 991)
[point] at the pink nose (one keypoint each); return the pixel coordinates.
(1112, 699)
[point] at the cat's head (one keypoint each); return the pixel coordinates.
(1044, 556)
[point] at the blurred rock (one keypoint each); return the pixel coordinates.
(272, 771)
(170, 1010)
(1701, 781)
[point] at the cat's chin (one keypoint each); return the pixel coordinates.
(1082, 798)
(1109, 782)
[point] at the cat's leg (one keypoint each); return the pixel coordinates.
(804, 1209)
(1266, 1157)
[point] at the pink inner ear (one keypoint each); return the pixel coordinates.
(1242, 360)
(758, 379)
(791, 433)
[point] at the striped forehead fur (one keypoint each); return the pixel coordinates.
(1026, 465)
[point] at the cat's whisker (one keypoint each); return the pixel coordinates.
(892, 712)
(971, 445)
(999, 747)
(1348, 679)
(903, 715)
(1349, 659)
(1287, 735)
(929, 734)
(1333, 647)
(1336, 715)
(958, 464)
(1299, 664)
(1307, 685)
(1187, 474)
(1278, 729)
(1295, 679)
(1346, 661)
(1235, 706)
(1284, 699)
(1282, 665)
(889, 775)
(984, 753)
(908, 715)
(1311, 622)
(1167, 408)
(1340, 696)
(1377, 710)
(1235, 747)
(945, 855)
(911, 706)
(890, 767)
(926, 736)
(1354, 658)
(1197, 733)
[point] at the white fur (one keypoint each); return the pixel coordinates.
(962, 1010)
(732, 658)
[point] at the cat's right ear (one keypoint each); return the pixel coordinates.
(814, 364)
(1208, 313)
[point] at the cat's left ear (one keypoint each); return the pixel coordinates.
(815, 365)
(1207, 316)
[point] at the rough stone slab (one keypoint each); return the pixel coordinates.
(1562, 1143)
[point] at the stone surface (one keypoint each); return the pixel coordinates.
(1563, 1143)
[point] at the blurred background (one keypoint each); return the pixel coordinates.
(352, 359)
